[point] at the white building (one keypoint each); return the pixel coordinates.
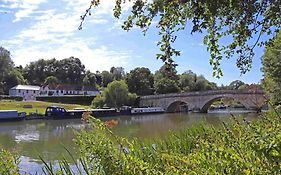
(62, 89)
(27, 92)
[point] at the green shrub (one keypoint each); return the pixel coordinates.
(98, 102)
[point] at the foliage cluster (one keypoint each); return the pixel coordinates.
(69, 71)
(8, 163)
(115, 95)
(9, 74)
(243, 23)
(239, 148)
(272, 70)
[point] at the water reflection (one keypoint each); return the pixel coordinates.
(48, 138)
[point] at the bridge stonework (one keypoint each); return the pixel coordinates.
(201, 101)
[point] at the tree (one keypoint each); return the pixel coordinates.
(98, 78)
(6, 65)
(132, 100)
(239, 20)
(187, 81)
(202, 84)
(106, 78)
(69, 70)
(271, 62)
(116, 94)
(98, 101)
(117, 73)
(89, 78)
(51, 80)
(140, 81)
(244, 86)
(166, 71)
(9, 74)
(165, 86)
(166, 80)
(13, 78)
(36, 72)
(235, 84)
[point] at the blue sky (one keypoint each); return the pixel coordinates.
(34, 29)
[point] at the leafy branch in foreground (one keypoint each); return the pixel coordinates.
(8, 163)
(243, 22)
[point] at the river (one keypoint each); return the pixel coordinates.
(49, 138)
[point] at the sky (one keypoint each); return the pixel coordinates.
(45, 29)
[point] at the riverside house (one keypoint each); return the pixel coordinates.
(63, 89)
(27, 92)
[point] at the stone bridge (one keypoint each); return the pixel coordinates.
(201, 101)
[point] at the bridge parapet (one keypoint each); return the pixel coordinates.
(201, 93)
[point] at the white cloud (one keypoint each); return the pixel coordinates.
(50, 26)
(101, 58)
(54, 33)
(54, 24)
(25, 8)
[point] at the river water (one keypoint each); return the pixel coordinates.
(50, 138)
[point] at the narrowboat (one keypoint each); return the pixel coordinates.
(6, 115)
(149, 110)
(57, 112)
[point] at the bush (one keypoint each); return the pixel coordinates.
(70, 99)
(98, 102)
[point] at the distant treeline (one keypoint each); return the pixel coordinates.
(71, 71)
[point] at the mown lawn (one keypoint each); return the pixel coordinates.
(39, 106)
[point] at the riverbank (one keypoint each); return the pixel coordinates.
(34, 107)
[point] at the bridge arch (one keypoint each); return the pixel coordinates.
(208, 103)
(177, 106)
(200, 101)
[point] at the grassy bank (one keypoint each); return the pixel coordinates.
(33, 106)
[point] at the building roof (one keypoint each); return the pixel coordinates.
(27, 87)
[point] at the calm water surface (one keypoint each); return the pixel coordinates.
(49, 138)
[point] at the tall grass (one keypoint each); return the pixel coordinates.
(241, 147)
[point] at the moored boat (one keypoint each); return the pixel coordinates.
(57, 112)
(149, 110)
(11, 115)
